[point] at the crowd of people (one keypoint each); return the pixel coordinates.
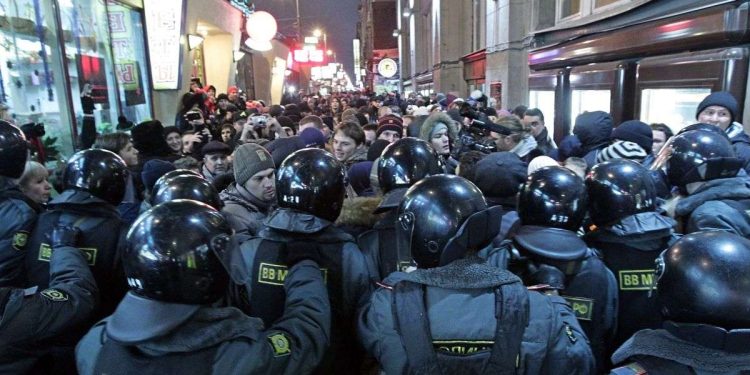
(359, 234)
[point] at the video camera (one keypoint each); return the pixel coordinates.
(259, 121)
(477, 135)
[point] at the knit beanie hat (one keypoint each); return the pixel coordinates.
(634, 131)
(393, 123)
(541, 162)
(721, 99)
(500, 174)
(250, 159)
(153, 170)
(622, 150)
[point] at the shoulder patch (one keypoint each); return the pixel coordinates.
(280, 344)
(55, 295)
(20, 239)
(582, 307)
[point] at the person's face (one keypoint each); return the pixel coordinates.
(38, 188)
(370, 136)
(716, 115)
(503, 142)
(226, 135)
(187, 143)
(232, 96)
(659, 139)
(212, 94)
(343, 146)
(174, 141)
(223, 103)
(376, 104)
(535, 123)
(390, 136)
(440, 142)
(129, 154)
(335, 105)
(216, 163)
(193, 86)
(262, 185)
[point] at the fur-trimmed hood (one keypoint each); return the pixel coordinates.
(425, 132)
(359, 212)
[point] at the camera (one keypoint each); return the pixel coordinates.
(477, 135)
(193, 115)
(259, 121)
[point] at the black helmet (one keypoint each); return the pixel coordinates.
(700, 155)
(405, 162)
(187, 186)
(100, 172)
(432, 215)
(13, 150)
(553, 197)
(619, 188)
(173, 253)
(177, 172)
(704, 127)
(702, 278)
(313, 181)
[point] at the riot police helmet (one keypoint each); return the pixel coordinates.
(99, 172)
(173, 253)
(311, 180)
(699, 155)
(187, 186)
(617, 189)
(434, 215)
(405, 162)
(13, 150)
(553, 197)
(171, 174)
(702, 279)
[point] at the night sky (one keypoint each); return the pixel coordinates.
(337, 18)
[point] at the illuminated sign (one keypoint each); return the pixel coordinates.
(309, 55)
(311, 40)
(164, 26)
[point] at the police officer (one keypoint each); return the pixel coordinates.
(629, 235)
(167, 323)
(456, 313)
(32, 318)
(310, 192)
(18, 213)
(702, 290)
(547, 253)
(714, 189)
(401, 165)
(187, 186)
(94, 183)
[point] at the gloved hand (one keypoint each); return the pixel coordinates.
(297, 251)
(64, 235)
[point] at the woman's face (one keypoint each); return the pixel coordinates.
(226, 135)
(174, 140)
(37, 188)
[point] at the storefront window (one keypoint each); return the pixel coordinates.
(673, 107)
(589, 101)
(545, 101)
(131, 67)
(90, 64)
(569, 8)
(32, 85)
